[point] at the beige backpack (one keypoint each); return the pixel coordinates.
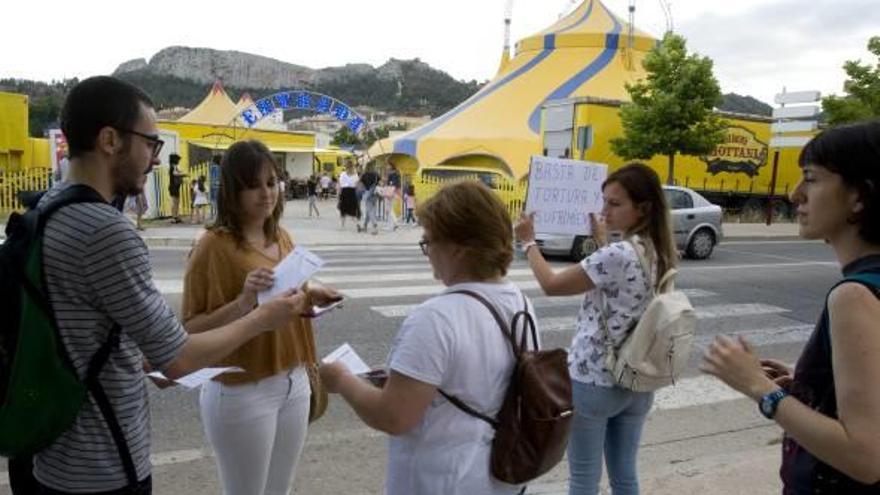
(657, 350)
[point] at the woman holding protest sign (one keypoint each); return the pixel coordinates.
(617, 289)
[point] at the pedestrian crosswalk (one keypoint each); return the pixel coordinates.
(388, 282)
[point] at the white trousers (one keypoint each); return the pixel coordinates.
(257, 431)
(391, 218)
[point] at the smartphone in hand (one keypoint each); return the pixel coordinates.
(377, 377)
(320, 310)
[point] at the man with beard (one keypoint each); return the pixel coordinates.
(100, 289)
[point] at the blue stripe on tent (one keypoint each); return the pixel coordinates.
(612, 40)
(583, 76)
(549, 41)
(409, 144)
(580, 21)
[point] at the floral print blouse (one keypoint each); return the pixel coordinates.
(625, 290)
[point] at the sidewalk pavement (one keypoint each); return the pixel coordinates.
(754, 472)
(326, 230)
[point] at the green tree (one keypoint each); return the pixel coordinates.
(344, 136)
(862, 100)
(672, 110)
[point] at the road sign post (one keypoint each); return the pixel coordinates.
(788, 120)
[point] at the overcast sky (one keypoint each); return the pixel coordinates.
(757, 45)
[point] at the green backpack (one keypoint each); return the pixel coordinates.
(40, 393)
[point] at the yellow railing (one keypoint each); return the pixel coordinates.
(11, 183)
(186, 189)
(511, 192)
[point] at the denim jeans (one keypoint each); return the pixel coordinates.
(608, 420)
(370, 209)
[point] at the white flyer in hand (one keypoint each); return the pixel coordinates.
(198, 378)
(293, 271)
(346, 355)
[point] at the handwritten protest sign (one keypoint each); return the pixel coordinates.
(562, 194)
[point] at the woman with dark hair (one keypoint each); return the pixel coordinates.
(617, 288)
(450, 342)
(175, 180)
(829, 405)
(255, 419)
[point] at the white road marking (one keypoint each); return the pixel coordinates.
(393, 275)
(373, 268)
(401, 310)
(788, 334)
(764, 242)
(761, 255)
(360, 248)
(758, 266)
(736, 310)
(175, 286)
(696, 391)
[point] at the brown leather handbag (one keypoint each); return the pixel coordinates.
(534, 422)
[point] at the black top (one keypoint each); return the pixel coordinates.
(369, 179)
(813, 385)
(174, 182)
(394, 179)
(312, 187)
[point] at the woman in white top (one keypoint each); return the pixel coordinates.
(617, 290)
(345, 190)
(450, 342)
(200, 200)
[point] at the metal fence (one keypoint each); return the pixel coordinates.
(40, 179)
(511, 192)
(11, 183)
(163, 197)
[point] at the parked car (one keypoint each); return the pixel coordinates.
(696, 225)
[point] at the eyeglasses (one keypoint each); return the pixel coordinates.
(424, 245)
(154, 141)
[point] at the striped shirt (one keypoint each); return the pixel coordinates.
(98, 273)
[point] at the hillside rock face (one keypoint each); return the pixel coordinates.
(244, 70)
(204, 65)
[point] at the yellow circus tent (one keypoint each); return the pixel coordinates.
(216, 109)
(590, 52)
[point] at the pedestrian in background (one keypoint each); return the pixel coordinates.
(829, 405)
(369, 181)
(200, 200)
(392, 196)
(325, 185)
(450, 342)
(609, 419)
(312, 186)
(256, 419)
(409, 202)
(214, 182)
(347, 195)
(175, 181)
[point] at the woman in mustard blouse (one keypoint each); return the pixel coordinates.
(255, 420)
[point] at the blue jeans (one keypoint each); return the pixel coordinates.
(607, 420)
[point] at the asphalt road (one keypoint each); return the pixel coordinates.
(771, 291)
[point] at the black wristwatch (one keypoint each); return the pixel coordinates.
(770, 402)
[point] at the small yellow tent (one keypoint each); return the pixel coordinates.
(216, 109)
(590, 52)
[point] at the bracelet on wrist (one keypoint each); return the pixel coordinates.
(528, 245)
